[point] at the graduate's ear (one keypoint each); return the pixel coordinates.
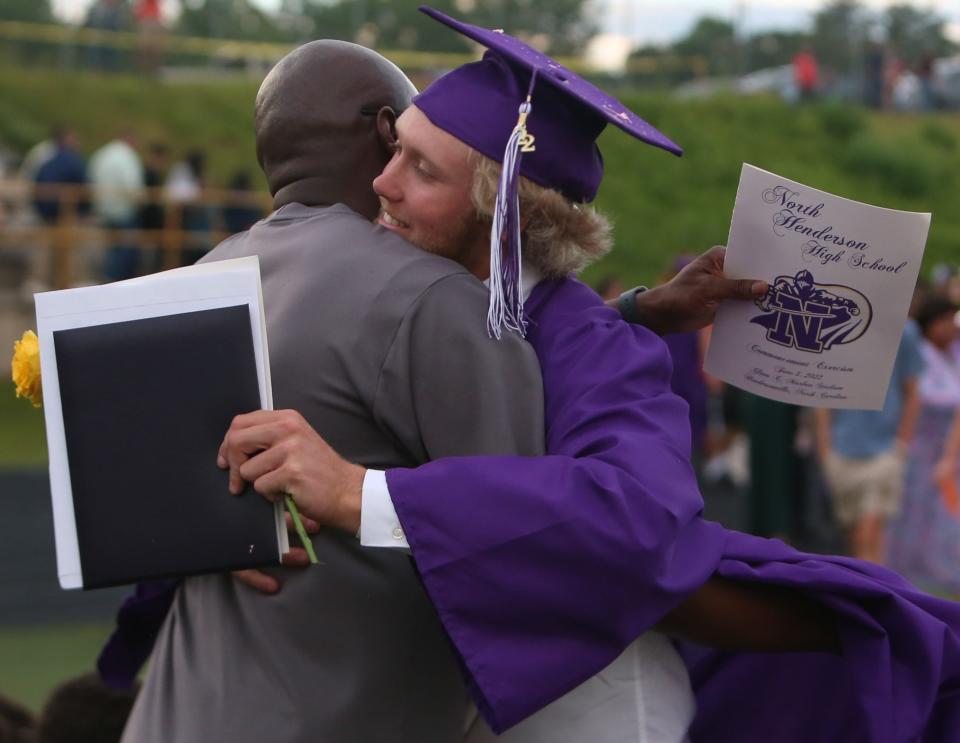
(387, 128)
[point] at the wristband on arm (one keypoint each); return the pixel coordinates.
(627, 304)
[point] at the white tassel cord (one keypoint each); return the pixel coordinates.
(501, 312)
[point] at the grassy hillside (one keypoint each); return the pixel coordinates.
(214, 116)
(37, 659)
(661, 205)
(23, 443)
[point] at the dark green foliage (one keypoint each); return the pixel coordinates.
(22, 440)
(915, 32)
(840, 30)
(228, 19)
(773, 48)
(906, 168)
(939, 136)
(392, 25)
(713, 39)
(841, 121)
(31, 11)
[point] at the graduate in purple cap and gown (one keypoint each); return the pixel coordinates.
(544, 570)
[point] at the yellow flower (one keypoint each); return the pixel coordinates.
(26, 368)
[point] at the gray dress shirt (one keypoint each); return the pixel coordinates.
(383, 349)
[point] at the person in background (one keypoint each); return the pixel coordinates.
(892, 71)
(806, 74)
(106, 15)
(925, 537)
(85, 710)
(924, 72)
(874, 64)
(776, 489)
(184, 187)
(38, 155)
(241, 214)
(152, 211)
(946, 473)
(862, 454)
(116, 176)
(17, 723)
(66, 167)
(149, 21)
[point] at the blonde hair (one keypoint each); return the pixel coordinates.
(560, 237)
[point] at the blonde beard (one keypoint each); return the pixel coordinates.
(467, 243)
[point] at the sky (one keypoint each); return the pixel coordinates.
(659, 22)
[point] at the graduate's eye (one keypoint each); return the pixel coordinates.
(422, 171)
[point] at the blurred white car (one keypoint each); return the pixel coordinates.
(770, 80)
(946, 81)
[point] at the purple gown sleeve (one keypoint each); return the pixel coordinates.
(897, 680)
(139, 619)
(614, 509)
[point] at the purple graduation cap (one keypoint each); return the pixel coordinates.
(539, 120)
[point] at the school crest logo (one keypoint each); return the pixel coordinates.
(801, 314)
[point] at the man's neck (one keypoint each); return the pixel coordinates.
(299, 193)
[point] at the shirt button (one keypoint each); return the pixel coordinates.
(398, 533)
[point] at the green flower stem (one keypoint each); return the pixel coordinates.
(298, 525)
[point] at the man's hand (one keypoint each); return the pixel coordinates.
(690, 299)
(742, 617)
(296, 558)
(282, 455)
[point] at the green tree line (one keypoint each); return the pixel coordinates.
(839, 35)
(839, 32)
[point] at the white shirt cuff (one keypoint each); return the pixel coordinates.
(379, 525)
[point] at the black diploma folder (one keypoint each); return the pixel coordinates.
(146, 404)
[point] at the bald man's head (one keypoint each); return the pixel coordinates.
(323, 120)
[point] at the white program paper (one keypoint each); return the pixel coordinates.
(204, 286)
(841, 276)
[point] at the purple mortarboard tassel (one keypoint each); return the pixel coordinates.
(506, 287)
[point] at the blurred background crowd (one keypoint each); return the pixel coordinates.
(153, 211)
(126, 147)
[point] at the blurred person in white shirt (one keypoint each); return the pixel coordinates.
(117, 179)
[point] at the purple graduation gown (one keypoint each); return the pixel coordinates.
(544, 569)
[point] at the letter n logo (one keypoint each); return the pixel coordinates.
(798, 323)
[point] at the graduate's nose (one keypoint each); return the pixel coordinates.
(387, 184)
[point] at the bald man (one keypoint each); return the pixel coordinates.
(366, 333)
